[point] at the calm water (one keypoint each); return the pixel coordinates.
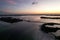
(26, 28)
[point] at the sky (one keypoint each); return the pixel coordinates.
(30, 6)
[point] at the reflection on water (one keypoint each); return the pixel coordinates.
(32, 18)
(26, 28)
(37, 18)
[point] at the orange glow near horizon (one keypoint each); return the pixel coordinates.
(26, 6)
(38, 10)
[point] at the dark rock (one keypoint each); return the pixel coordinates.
(10, 19)
(49, 29)
(50, 17)
(57, 37)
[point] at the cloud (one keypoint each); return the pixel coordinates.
(1, 12)
(33, 3)
(11, 1)
(6, 10)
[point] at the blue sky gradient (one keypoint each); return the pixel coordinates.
(26, 6)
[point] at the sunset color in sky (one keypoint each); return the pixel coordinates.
(30, 6)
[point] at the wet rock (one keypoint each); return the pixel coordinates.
(49, 29)
(57, 37)
(50, 17)
(10, 19)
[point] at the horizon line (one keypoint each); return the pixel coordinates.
(29, 14)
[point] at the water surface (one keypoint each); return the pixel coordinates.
(26, 30)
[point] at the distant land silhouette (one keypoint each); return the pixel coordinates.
(2, 13)
(29, 14)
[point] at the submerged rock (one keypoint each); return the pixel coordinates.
(57, 37)
(49, 29)
(49, 17)
(10, 19)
